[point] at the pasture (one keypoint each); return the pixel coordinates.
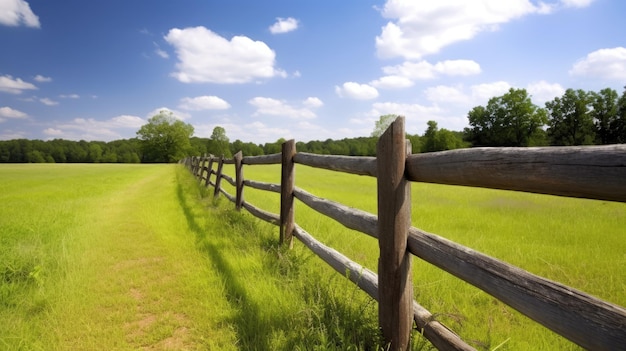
(125, 257)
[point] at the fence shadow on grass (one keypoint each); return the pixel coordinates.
(325, 319)
(248, 325)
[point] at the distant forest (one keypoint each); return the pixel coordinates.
(576, 118)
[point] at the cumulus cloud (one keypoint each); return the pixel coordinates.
(7, 112)
(53, 132)
(356, 91)
(422, 70)
(48, 102)
(203, 103)
(175, 113)
(14, 13)
(609, 64)
(14, 86)
(274, 107)
(419, 28)
(479, 94)
(392, 82)
(41, 79)
(410, 111)
(206, 57)
(92, 129)
(313, 102)
(542, 91)
(284, 25)
(127, 121)
(447, 95)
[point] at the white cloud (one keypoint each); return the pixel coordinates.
(16, 12)
(356, 91)
(609, 64)
(419, 28)
(203, 103)
(127, 121)
(576, 3)
(421, 70)
(175, 113)
(7, 112)
(48, 102)
(69, 96)
(481, 93)
(41, 79)
(392, 82)
(206, 57)
(92, 129)
(273, 107)
(410, 111)
(9, 134)
(284, 25)
(447, 94)
(53, 132)
(313, 102)
(542, 91)
(14, 86)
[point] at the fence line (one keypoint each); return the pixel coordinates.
(596, 172)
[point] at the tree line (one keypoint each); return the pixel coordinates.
(577, 117)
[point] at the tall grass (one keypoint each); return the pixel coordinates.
(126, 257)
(99, 257)
(577, 242)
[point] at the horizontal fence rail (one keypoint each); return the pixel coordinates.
(596, 172)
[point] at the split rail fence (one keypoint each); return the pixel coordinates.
(594, 172)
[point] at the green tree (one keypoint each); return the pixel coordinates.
(218, 144)
(508, 120)
(604, 112)
(571, 122)
(618, 125)
(164, 138)
(436, 139)
(382, 124)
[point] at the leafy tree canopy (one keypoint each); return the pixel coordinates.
(508, 120)
(218, 144)
(165, 138)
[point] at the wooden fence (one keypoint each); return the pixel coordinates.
(594, 172)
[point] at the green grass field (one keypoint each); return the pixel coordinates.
(128, 257)
(578, 242)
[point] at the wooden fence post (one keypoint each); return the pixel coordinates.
(209, 171)
(238, 180)
(202, 168)
(218, 177)
(287, 183)
(395, 304)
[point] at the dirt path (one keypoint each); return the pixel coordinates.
(140, 283)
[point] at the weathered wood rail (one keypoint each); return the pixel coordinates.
(594, 172)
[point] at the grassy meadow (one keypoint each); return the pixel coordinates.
(578, 242)
(129, 257)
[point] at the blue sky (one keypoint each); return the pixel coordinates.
(309, 70)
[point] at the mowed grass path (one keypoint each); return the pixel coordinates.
(101, 257)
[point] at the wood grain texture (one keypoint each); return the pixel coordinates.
(588, 321)
(262, 160)
(287, 181)
(238, 179)
(347, 164)
(594, 172)
(395, 306)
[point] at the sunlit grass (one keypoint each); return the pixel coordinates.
(577, 242)
(108, 262)
(125, 257)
